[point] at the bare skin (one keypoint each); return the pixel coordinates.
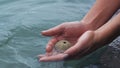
(97, 38)
(92, 28)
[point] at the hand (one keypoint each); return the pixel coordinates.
(70, 31)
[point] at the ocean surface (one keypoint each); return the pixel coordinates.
(21, 22)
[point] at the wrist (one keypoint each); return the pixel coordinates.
(87, 26)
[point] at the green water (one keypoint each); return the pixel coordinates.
(21, 22)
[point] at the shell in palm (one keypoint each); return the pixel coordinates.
(62, 45)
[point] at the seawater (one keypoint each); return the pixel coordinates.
(21, 22)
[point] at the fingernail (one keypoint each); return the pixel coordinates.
(66, 56)
(39, 56)
(48, 53)
(41, 60)
(48, 49)
(44, 31)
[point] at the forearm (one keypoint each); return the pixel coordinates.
(100, 13)
(108, 32)
(92, 40)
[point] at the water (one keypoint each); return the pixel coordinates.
(21, 22)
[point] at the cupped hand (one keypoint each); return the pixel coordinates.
(70, 31)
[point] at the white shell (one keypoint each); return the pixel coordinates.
(62, 45)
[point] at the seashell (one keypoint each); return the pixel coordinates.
(62, 45)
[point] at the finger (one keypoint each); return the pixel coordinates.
(51, 44)
(53, 31)
(40, 56)
(58, 57)
(84, 42)
(49, 53)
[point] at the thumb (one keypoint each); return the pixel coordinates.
(84, 42)
(53, 31)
